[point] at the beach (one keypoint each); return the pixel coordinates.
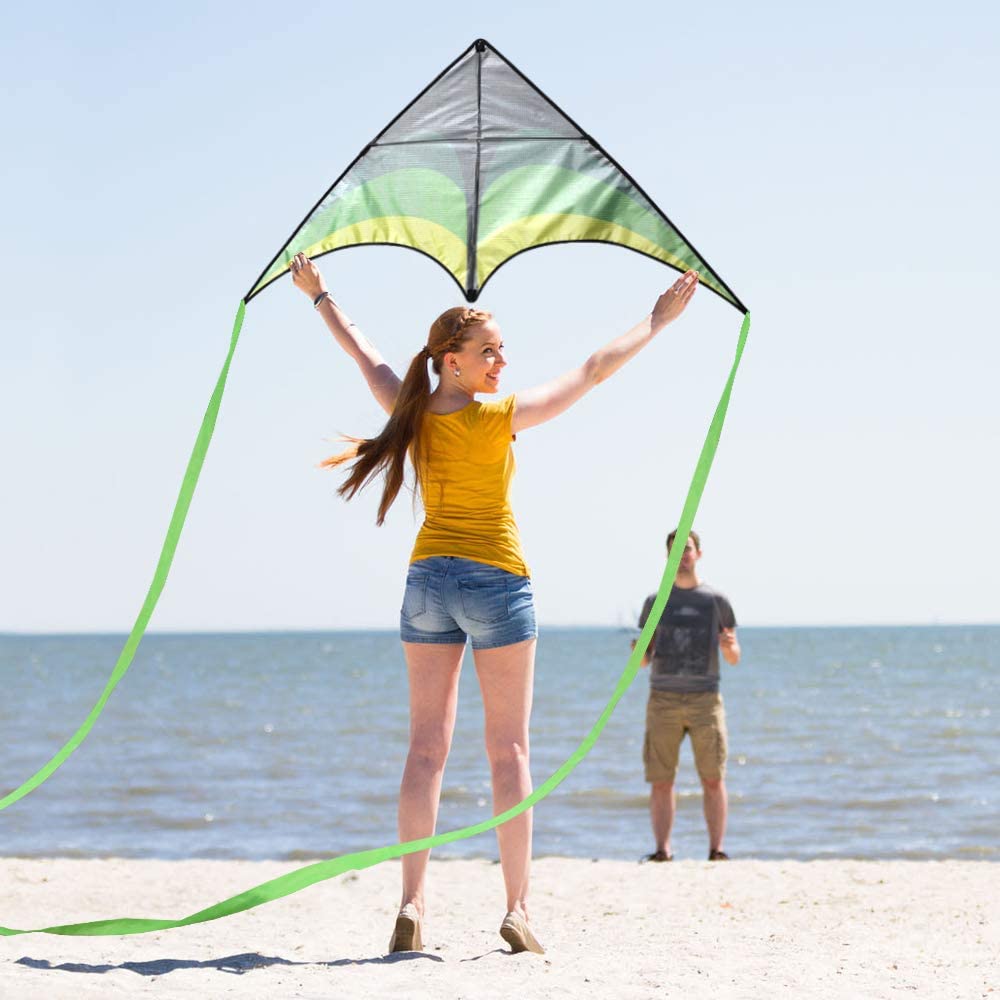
(863, 804)
(614, 929)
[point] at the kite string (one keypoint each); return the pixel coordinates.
(301, 878)
(188, 484)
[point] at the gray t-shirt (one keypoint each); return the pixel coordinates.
(684, 651)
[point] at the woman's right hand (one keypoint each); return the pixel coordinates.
(674, 300)
(306, 276)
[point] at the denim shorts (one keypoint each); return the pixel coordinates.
(448, 598)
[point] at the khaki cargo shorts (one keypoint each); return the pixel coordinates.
(671, 714)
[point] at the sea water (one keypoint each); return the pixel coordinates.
(844, 742)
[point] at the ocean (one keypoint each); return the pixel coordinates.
(844, 743)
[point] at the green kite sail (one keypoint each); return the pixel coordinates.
(478, 168)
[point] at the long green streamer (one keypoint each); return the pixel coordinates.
(308, 875)
(188, 484)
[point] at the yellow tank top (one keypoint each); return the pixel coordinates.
(465, 477)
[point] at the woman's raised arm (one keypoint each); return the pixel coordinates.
(544, 402)
(381, 379)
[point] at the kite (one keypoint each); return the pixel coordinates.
(480, 167)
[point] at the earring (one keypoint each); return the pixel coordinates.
(456, 372)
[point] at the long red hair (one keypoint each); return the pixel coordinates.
(386, 454)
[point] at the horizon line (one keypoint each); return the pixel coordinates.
(305, 630)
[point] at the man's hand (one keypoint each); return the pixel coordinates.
(645, 656)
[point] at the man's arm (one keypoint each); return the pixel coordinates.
(647, 606)
(729, 645)
(728, 642)
(644, 662)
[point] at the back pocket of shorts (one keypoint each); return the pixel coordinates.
(414, 596)
(485, 603)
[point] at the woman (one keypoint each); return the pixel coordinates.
(467, 574)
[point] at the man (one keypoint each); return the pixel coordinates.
(683, 658)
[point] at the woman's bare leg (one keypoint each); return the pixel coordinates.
(433, 672)
(506, 677)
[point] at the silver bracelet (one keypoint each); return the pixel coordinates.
(319, 298)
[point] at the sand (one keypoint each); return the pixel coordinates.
(612, 929)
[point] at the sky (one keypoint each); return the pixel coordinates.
(836, 164)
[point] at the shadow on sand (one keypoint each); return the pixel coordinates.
(235, 964)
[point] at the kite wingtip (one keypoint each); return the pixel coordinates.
(481, 44)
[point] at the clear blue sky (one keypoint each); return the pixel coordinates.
(836, 163)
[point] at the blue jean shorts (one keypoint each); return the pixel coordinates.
(448, 598)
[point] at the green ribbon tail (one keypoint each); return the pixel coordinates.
(308, 875)
(174, 529)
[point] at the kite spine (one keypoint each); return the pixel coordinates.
(471, 276)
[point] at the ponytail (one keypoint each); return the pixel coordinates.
(387, 452)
